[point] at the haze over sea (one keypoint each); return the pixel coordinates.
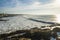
(21, 22)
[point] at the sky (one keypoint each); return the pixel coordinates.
(36, 7)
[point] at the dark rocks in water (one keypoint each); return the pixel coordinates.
(36, 34)
(3, 20)
(56, 29)
(8, 15)
(3, 35)
(18, 33)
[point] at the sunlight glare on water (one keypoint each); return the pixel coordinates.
(57, 18)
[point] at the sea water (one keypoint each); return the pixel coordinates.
(21, 22)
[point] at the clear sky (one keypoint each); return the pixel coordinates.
(37, 7)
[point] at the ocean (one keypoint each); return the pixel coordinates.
(21, 22)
